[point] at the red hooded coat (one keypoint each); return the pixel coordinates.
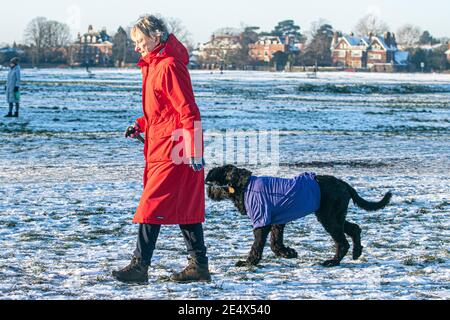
(173, 192)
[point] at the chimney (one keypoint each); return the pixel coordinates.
(387, 38)
(335, 39)
(393, 40)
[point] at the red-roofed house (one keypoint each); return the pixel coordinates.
(266, 47)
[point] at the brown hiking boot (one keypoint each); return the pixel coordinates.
(194, 272)
(135, 272)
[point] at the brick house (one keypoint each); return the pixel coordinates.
(265, 48)
(372, 52)
(349, 51)
(93, 49)
(214, 52)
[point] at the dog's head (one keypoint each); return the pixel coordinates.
(226, 182)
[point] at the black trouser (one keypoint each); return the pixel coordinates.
(192, 234)
(11, 105)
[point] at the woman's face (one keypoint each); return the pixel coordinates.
(144, 44)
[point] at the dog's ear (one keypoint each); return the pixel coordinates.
(235, 177)
(231, 175)
(216, 175)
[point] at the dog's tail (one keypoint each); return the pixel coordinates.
(367, 205)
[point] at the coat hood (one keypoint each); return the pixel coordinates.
(172, 48)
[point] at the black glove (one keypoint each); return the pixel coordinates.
(16, 89)
(197, 164)
(133, 131)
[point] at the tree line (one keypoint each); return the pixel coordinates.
(317, 44)
(48, 41)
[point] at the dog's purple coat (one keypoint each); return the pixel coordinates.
(271, 200)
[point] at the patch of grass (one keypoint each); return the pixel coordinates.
(429, 259)
(410, 261)
(83, 220)
(379, 245)
(423, 211)
(442, 205)
(9, 224)
(34, 236)
(243, 278)
(97, 211)
(410, 201)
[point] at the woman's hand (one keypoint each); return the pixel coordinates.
(133, 131)
(197, 164)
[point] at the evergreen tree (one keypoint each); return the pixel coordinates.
(426, 38)
(434, 60)
(288, 28)
(319, 50)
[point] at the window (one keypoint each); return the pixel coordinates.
(375, 56)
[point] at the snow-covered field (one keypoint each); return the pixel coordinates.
(69, 184)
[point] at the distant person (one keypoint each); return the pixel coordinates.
(12, 87)
(174, 193)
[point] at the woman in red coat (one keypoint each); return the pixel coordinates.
(174, 191)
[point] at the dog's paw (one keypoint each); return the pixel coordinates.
(331, 263)
(357, 252)
(242, 264)
(289, 253)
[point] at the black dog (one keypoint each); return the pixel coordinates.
(230, 182)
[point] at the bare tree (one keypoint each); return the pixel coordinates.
(408, 35)
(34, 36)
(176, 27)
(45, 37)
(371, 23)
(314, 28)
(57, 34)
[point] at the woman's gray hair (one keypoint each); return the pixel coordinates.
(151, 26)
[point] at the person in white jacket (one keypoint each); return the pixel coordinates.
(12, 87)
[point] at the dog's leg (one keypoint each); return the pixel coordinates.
(354, 231)
(277, 245)
(336, 231)
(257, 248)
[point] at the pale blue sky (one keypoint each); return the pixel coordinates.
(201, 17)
